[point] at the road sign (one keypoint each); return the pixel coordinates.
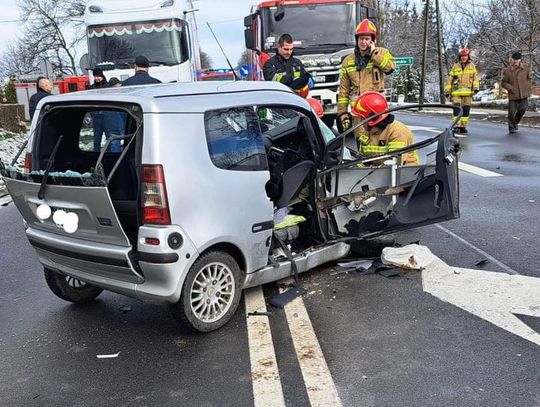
(244, 71)
(404, 61)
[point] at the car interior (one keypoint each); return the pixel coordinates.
(76, 157)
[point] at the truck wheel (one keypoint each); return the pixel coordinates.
(69, 288)
(210, 294)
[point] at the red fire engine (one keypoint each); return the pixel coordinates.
(323, 34)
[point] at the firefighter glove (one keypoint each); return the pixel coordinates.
(345, 121)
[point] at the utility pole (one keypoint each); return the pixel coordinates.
(439, 51)
(424, 53)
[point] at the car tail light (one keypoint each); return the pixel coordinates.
(155, 206)
(28, 162)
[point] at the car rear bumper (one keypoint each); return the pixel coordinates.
(154, 276)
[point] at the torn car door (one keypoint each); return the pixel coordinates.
(356, 200)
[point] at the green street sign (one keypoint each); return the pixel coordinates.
(404, 61)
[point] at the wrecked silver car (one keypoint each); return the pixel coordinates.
(186, 197)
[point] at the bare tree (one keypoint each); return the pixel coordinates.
(244, 58)
(53, 29)
(18, 60)
(495, 29)
(206, 61)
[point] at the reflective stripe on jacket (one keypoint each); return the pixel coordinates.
(277, 67)
(395, 136)
(352, 81)
(462, 80)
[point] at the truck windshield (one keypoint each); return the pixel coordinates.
(311, 25)
(163, 42)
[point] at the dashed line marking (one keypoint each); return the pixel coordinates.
(478, 250)
(267, 390)
(320, 386)
(477, 170)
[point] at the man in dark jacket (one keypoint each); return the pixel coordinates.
(44, 88)
(99, 79)
(141, 76)
(286, 69)
(98, 117)
(517, 81)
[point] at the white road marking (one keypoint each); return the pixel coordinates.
(319, 383)
(267, 389)
(462, 166)
(478, 250)
(424, 128)
(477, 170)
(494, 297)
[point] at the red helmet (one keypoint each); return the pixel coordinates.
(366, 27)
(464, 52)
(368, 104)
(316, 106)
(304, 92)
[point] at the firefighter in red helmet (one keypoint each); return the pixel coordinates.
(362, 70)
(383, 134)
(461, 84)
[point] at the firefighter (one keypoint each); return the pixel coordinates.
(384, 133)
(362, 70)
(286, 69)
(462, 83)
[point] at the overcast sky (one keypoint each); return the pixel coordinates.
(225, 16)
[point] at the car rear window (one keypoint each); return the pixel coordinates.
(235, 140)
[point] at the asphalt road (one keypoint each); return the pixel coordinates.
(385, 341)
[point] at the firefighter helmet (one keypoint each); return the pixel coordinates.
(304, 92)
(366, 27)
(464, 52)
(368, 104)
(316, 107)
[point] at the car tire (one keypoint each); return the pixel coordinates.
(69, 288)
(210, 294)
(372, 247)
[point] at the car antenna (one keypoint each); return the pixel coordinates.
(225, 55)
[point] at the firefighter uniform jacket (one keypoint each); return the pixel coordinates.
(290, 72)
(462, 80)
(358, 74)
(389, 135)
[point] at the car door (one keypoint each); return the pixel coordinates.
(357, 199)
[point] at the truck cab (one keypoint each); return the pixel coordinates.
(323, 34)
(164, 31)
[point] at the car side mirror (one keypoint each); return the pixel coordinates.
(280, 12)
(333, 152)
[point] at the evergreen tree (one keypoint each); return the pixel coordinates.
(10, 94)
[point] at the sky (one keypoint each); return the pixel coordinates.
(225, 16)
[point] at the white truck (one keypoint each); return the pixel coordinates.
(164, 31)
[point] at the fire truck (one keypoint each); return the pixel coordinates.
(323, 34)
